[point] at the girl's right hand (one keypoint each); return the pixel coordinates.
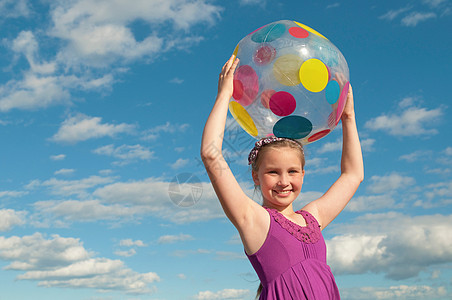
(226, 80)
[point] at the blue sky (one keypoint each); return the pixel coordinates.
(102, 106)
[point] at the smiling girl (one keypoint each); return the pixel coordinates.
(285, 247)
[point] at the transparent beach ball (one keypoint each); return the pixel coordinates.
(291, 82)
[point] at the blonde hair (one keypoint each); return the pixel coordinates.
(277, 144)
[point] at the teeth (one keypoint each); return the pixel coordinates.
(283, 192)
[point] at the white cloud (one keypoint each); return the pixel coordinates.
(10, 218)
(250, 2)
(372, 202)
(319, 165)
(358, 253)
(448, 151)
(64, 262)
(389, 183)
(155, 132)
(126, 253)
(26, 44)
(331, 147)
(99, 32)
(14, 8)
(151, 191)
(416, 155)
(392, 14)
(367, 145)
(176, 80)
(81, 128)
(33, 92)
(131, 243)
(171, 239)
(124, 201)
(434, 3)
(87, 211)
(106, 172)
(58, 157)
(436, 195)
(415, 18)
(43, 84)
(223, 294)
(397, 245)
(94, 39)
(333, 5)
(78, 187)
(411, 121)
(12, 194)
(180, 163)
(323, 170)
(185, 253)
(64, 172)
(126, 153)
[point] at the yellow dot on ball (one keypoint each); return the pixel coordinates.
(286, 68)
(310, 29)
(314, 75)
(236, 50)
(243, 118)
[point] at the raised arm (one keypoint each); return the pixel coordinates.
(327, 207)
(235, 203)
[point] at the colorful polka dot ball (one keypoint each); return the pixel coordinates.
(291, 82)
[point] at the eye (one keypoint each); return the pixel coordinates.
(293, 171)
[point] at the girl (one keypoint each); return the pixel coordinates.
(285, 247)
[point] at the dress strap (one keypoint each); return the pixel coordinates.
(309, 234)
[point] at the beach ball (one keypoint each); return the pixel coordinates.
(291, 82)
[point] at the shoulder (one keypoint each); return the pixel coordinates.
(313, 210)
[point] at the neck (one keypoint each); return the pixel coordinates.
(285, 210)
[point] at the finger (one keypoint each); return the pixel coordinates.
(227, 63)
(350, 90)
(230, 62)
(234, 65)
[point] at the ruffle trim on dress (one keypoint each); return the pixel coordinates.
(309, 234)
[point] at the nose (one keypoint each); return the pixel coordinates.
(284, 179)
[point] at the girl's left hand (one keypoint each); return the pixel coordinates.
(349, 109)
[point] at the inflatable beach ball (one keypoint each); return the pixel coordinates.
(291, 82)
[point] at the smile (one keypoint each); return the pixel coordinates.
(283, 192)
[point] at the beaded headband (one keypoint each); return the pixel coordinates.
(265, 141)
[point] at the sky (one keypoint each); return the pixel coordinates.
(102, 107)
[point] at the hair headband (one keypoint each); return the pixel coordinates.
(265, 141)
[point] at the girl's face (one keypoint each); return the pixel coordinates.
(280, 176)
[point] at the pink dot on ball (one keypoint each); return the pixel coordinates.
(250, 84)
(341, 102)
(318, 135)
(264, 55)
(332, 119)
(282, 103)
(237, 94)
(265, 97)
(298, 32)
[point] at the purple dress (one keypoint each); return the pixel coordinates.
(291, 264)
